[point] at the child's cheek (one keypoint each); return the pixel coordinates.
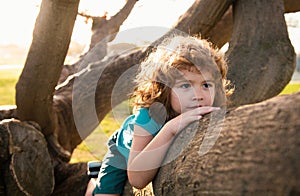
(175, 102)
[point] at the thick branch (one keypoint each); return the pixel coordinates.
(105, 30)
(225, 24)
(202, 16)
(24, 159)
(85, 98)
(256, 153)
(260, 55)
(118, 19)
(51, 38)
(291, 6)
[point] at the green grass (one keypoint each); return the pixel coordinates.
(94, 146)
(8, 80)
(291, 88)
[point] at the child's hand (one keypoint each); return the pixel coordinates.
(178, 123)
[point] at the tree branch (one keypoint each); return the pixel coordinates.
(256, 152)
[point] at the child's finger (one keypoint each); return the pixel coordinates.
(205, 110)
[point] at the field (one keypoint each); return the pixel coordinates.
(93, 147)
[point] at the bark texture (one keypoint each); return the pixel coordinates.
(225, 25)
(105, 30)
(202, 16)
(26, 166)
(260, 55)
(256, 153)
(51, 39)
(84, 100)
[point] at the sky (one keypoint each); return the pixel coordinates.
(17, 18)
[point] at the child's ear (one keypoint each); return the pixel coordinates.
(158, 112)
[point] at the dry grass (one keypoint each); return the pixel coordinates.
(147, 191)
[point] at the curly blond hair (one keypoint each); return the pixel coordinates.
(159, 71)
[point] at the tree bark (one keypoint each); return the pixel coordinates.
(226, 23)
(256, 153)
(260, 55)
(106, 30)
(202, 16)
(84, 100)
(51, 38)
(291, 6)
(26, 166)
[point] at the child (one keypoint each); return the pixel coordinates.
(182, 80)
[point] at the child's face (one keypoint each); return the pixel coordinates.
(192, 90)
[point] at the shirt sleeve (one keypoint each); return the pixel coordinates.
(143, 119)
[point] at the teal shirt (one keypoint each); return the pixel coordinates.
(125, 135)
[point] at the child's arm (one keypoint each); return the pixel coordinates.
(90, 187)
(147, 153)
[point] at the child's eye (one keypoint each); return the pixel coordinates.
(207, 85)
(186, 85)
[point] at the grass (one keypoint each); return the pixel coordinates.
(291, 88)
(8, 80)
(93, 147)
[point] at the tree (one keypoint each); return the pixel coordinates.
(54, 114)
(256, 153)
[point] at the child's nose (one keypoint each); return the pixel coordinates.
(198, 95)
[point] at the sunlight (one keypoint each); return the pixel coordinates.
(294, 29)
(18, 18)
(99, 7)
(156, 14)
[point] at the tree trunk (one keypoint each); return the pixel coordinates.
(256, 153)
(292, 6)
(202, 16)
(200, 19)
(226, 23)
(260, 55)
(51, 38)
(26, 166)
